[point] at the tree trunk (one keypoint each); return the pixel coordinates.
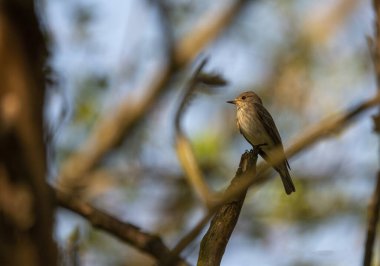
(26, 205)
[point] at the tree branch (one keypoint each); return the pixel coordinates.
(222, 225)
(374, 206)
(320, 131)
(206, 30)
(126, 232)
(111, 129)
(183, 146)
(373, 217)
(232, 210)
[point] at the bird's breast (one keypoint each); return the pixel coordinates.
(252, 128)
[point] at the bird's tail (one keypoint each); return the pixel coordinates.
(286, 179)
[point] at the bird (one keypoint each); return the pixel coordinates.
(257, 126)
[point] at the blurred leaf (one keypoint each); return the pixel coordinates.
(207, 147)
(90, 89)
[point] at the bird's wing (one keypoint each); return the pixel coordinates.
(268, 123)
(269, 126)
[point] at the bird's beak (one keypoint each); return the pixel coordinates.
(233, 102)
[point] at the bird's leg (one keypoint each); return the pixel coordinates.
(258, 147)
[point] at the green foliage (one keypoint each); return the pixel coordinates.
(88, 99)
(208, 146)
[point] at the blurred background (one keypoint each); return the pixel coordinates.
(305, 59)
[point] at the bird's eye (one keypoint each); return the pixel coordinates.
(243, 98)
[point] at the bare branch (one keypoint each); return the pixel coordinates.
(188, 91)
(205, 31)
(374, 206)
(376, 42)
(245, 162)
(110, 129)
(131, 234)
(183, 147)
(373, 217)
(222, 225)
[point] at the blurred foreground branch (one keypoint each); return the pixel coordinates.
(222, 225)
(112, 128)
(183, 147)
(131, 234)
(374, 205)
(206, 30)
(26, 206)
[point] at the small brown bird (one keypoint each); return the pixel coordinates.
(258, 128)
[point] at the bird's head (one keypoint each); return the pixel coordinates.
(246, 98)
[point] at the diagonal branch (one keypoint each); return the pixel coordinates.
(111, 129)
(322, 130)
(131, 234)
(206, 30)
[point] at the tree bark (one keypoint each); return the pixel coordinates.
(222, 225)
(26, 205)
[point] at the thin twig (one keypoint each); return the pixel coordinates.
(185, 153)
(188, 91)
(129, 233)
(183, 146)
(222, 225)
